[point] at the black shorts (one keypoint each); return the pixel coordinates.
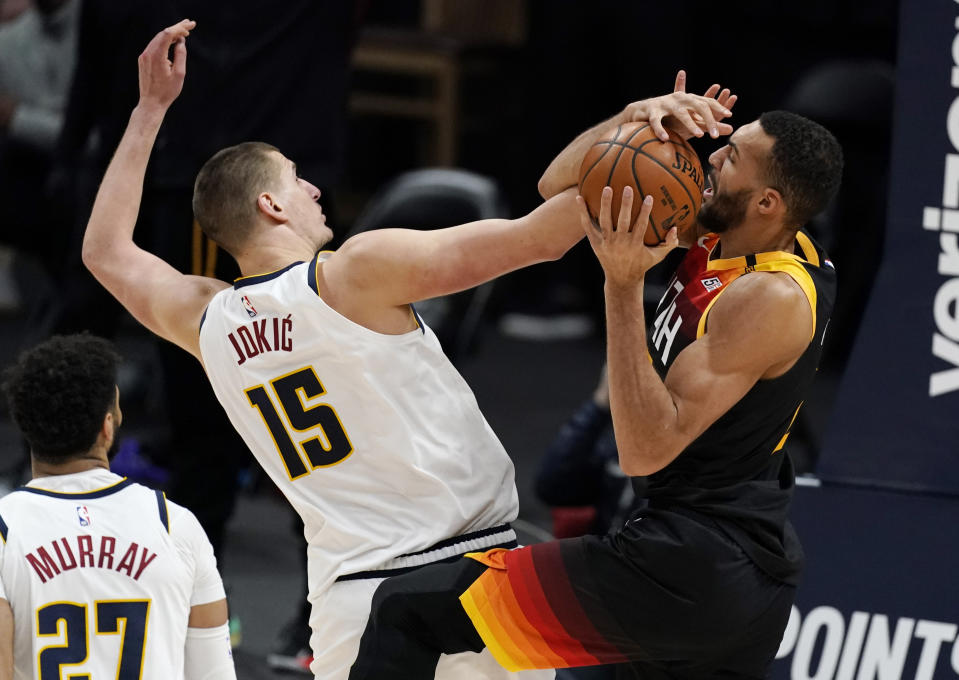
(670, 595)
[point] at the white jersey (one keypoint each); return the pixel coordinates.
(375, 439)
(100, 574)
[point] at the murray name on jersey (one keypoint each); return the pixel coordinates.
(89, 552)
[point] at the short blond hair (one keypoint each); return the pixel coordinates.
(227, 187)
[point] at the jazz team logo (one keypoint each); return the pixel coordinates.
(83, 515)
(712, 283)
(250, 309)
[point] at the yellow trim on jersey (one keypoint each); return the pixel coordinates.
(316, 269)
(782, 442)
(250, 276)
(122, 630)
(65, 633)
(167, 506)
(808, 249)
(794, 269)
(266, 424)
(701, 328)
(789, 265)
(76, 493)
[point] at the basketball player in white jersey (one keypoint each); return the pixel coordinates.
(342, 394)
(99, 577)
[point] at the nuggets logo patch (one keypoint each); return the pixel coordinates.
(712, 283)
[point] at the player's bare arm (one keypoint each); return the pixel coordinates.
(686, 113)
(209, 615)
(167, 302)
(6, 640)
(389, 268)
(756, 330)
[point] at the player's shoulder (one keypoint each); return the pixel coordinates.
(763, 300)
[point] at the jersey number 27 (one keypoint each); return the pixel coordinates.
(126, 617)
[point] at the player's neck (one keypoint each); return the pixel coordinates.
(741, 242)
(92, 460)
(263, 258)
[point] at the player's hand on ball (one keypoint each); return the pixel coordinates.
(619, 245)
(161, 80)
(689, 114)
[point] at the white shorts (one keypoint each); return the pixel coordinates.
(338, 619)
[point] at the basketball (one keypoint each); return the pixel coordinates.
(631, 155)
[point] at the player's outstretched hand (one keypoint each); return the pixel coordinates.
(161, 80)
(619, 247)
(689, 114)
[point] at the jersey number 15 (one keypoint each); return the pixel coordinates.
(329, 443)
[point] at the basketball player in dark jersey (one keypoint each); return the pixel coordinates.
(699, 583)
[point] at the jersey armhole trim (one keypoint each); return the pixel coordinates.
(3, 530)
(792, 268)
(164, 514)
(418, 320)
(798, 273)
(312, 274)
(313, 271)
(808, 249)
(701, 327)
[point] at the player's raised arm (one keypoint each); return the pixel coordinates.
(390, 267)
(168, 303)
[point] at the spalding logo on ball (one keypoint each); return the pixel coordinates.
(632, 155)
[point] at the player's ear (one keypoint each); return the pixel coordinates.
(109, 426)
(269, 205)
(771, 202)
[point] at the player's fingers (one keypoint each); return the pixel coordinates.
(684, 118)
(161, 41)
(584, 218)
(711, 90)
(680, 84)
(624, 219)
(639, 226)
(731, 102)
(656, 123)
(670, 242)
(606, 212)
(179, 58)
(717, 108)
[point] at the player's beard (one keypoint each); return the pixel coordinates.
(114, 445)
(724, 211)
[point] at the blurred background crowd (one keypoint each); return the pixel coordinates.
(361, 94)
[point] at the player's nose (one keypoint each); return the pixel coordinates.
(716, 157)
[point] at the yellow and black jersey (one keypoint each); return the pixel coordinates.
(736, 471)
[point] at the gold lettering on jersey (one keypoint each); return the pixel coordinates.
(258, 337)
(78, 552)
